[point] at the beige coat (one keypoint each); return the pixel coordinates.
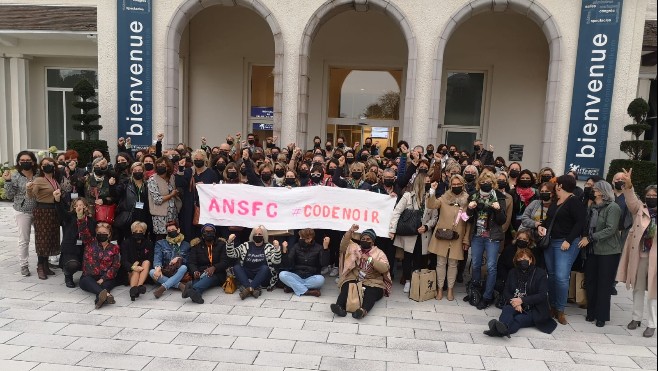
(157, 206)
(407, 243)
(630, 256)
(448, 206)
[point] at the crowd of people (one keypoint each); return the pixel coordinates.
(134, 221)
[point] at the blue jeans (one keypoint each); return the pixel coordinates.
(206, 282)
(478, 246)
(515, 320)
(169, 282)
(259, 278)
(301, 285)
(558, 265)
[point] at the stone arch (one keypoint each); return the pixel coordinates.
(181, 18)
(324, 13)
(545, 21)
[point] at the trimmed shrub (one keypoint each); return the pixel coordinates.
(85, 149)
(644, 172)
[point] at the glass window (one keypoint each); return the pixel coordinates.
(464, 94)
(67, 78)
(262, 92)
(364, 94)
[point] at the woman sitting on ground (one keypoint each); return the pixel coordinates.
(136, 258)
(257, 261)
(101, 261)
(305, 259)
(169, 260)
(208, 264)
(526, 298)
(363, 263)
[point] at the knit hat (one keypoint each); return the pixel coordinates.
(370, 233)
(208, 225)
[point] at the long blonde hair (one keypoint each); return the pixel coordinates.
(418, 187)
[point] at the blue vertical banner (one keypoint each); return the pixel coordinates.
(134, 71)
(593, 86)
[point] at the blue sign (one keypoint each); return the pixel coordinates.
(263, 126)
(257, 111)
(593, 86)
(134, 75)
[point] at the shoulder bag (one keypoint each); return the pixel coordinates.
(354, 297)
(409, 222)
(545, 241)
(104, 213)
(448, 234)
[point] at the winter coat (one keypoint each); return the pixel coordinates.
(307, 261)
(448, 207)
(70, 232)
(496, 218)
(630, 256)
(199, 260)
(407, 243)
(606, 236)
(536, 297)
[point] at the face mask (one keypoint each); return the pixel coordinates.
(457, 190)
(316, 178)
(121, 166)
(389, 182)
(181, 168)
(270, 145)
(341, 145)
(279, 173)
(266, 177)
(545, 196)
(476, 148)
(148, 166)
(232, 174)
(521, 244)
(364, 158)
(138, 236)
(651, 202)
(514, 174)
(229, 142)
(208, 236)
(48, 169)
(331, 171)
(199, 163)
(138, 175)
(502, 184)
(258, 239)
(592, 196)
(443, 152)
(290, 181)
(316, 145)
(427, 187)
(486, 187)
(546, 178)
(172, 234)
(356, 174)
(243, 171)
(61, 163)
(469, 177)
(303, 173)
(365, 245)
(349, 160)
(26, 165)
(175, 159)
(525, 183)
(430, 153)
(251, 142)
(221, 167)
(389, 155)
(102, 237)
(619, 185)
(587, 191)
(368, 145)
(422, 170)
(98, 171)
(523, 264)
(161, 170)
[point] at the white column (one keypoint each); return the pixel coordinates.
(5, 145)
(291, 107)
(18, 80)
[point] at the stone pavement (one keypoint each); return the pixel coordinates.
(46, 326)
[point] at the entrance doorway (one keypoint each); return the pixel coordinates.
(464, 106)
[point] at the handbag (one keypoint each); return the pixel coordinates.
(171, 269)
(354, 297)
(229, 285)
(448, 234)
(105, 213)
(545, 241)
(409, 222)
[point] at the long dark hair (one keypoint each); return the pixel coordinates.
(35, 165)
(57, 175)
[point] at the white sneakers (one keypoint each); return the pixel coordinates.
(334, 272)
(407, 287)
(325, 270)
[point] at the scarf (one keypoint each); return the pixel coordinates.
(176, 240)
(525, 194)
(352, 184)
(351, 262)
(482, 216)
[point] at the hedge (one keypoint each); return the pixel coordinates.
(644, 172)
(85, 149)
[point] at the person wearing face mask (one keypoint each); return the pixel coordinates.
(545, 176)
(257, 261)
(569, 214)
(208, 263)
(523, 240)
(16, 189)
(366, 263)
(388, 186)
(318, 177)
(637, 267)
(479, 153)
(71, 246)
(535, 214)
(101, 261)
(499, 165)
(414, 246)
(578, 192)
(626, 219)
(522, 195)
(279, 173)
(305, 259)
(514, 171)
(355, 179)
(219, 167)
(187, 182)
(136, 258)
(503, 187)
(231, 174)
(122, 166)
(486, 210)
(451, 208)
(289, 180)
(340, 143)
(100, 185)
(149, 166)
(170, 260)
(586, 198)
(43, 189)
(525, 294)
(603, 244)
(133, 204)
(74, 175)
(164, 202)
(471, 174)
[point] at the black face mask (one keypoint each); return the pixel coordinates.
(172, 234)
(364, 158)
(232, 174)
(546, 178)
(303, 173)
(290, 181)
(422, 170)
(521, 244)
(329, 148)
(341, 145)
(367, 145)
(443, 152)
(199, 163)
(486, 187)
(592, 196)
(331, 171)
(138, 175)
(26, 165)
(586, 192)
(266, 177)
(279, 173)
(98, 171)
(619, 185)
(476, 148)
(523, 265)
(427, 187)
(258, 239)
(365, 245)
(469, 177)
(270, 145)
(545, 196)
(389, 155)
(430, 153)
(208, 236)
(148, 166)
(243, 171)
(316, 178)
(220, 167)
(316, 145)
(502, 184)
(175, 159)
(181, 168)
(102, 237)
(389, 182)
(229, 142)
(121, 166)
(349, 160)
(525, 183)
(161, 170)
(357, 174)
(514, 174)
(457, 190)
(48, 169)
(138, 236)
(251, 142)
(651, 202)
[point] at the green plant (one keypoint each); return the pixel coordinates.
(637, 149)
(644, 172)
(85, 91)
(85, 149)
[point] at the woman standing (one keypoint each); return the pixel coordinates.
(133, 202)
(638, 260)
(535, 214)
(414, 246)
(451, 207)
(163, 197)
(46, 222)
(98, 187)
(567, 218)
(16, 189)
(603, 243)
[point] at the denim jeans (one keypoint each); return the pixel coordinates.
(515, 320)
(169, 282)
(478, 246)
(259, 278)
(301, 285)
(558, 265)
(206, 282)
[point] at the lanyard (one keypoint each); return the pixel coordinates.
(209, 253)
(53, 183)
(139, 193)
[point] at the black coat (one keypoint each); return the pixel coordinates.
(536, 297)
(128, 195)
(132, 252)
(306, 261)
(199, 260)
(496, 218)
(69, 222)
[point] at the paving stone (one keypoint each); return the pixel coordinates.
(514, 341)
(248, 331)
(567, 346)
(6, 364)
(162, 350)
(386, 331)
(43, 340)
(117, 361)
(256, 312)
(102, 345)
(10, 351)
(496, 363)
(443, 336)
(196, 327)
(274, 345)
(647, 363)
(169, 315)
(141, 323)
(602, 359)
(34, 327)
(225, 355)
(188, 306)
(558, 366)
(390, 355)
(56, 367)
(159, 364)
(438, 317)
(215, 341)
(367, 320)
(5, 336)
(353, 339)
(21, 303)
(346, 364)
(69, 307)
(416, 344)
(397, 366)
(28, 314)
(304, 314)
(622, 350)
(413, 323)
(303, 335)
(277, 322)
(51, 355)
(324, 349)
(223, 319)
(222, 366)
(287, 360)
(286, 304)
(79, 318)
(539, 354)
(450, 360)
(477, 349)
(89, 331)
(345, 328)
(631, 340)
(152, 336)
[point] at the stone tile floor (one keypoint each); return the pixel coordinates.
(46, 326)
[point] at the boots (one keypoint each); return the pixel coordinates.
(561, 317)
(47, 269)
(68, 280)
(41, 272)
(451, 294)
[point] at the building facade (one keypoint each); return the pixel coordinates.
(421, 70)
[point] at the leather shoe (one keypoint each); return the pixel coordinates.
(589, 319)
(68, 280)
(600, 323)
(649, 332)
(312, 292)
(561, 318)
(41, 273)
(483, 304)
(632, 325)
(338, 310)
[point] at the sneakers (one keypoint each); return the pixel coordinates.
(338, 310)
(633, 325)
(407, 287)
(159, 291)
(325, 270)
(648, 333)
(25, 271)
(334, 272)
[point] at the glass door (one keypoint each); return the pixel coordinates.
(464, 106)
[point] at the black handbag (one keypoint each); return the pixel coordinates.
(409, 222)
(545, 242)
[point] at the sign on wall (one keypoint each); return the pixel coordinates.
(134, 75)
(593, 86)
